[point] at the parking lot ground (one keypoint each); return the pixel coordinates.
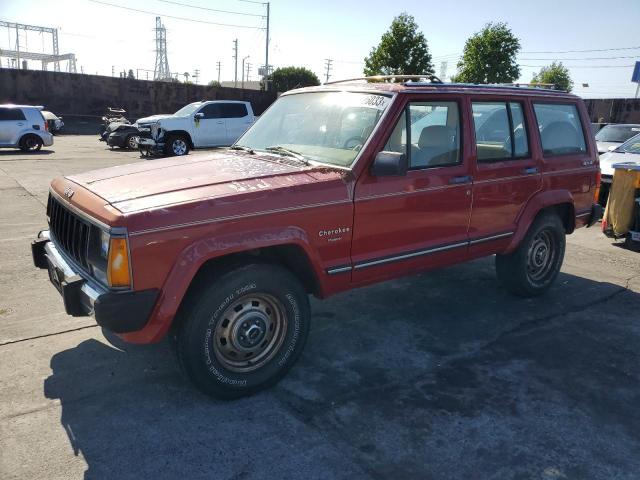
(441, 375)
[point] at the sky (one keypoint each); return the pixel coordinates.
(601, 39)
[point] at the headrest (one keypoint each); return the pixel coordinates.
(436, 136)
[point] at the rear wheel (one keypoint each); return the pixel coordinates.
(176, 145)
(244, 331)
(30, 143)
(130, 142)
(531, 269)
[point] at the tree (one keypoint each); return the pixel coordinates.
(283, 79)
(490, 56)
(402, 50)
(214, 83)
(130, 74)
(557, 74)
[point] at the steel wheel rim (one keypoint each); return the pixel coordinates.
(541, 256)
(250, 332)
(179, 147)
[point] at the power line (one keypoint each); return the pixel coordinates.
(173, 16)
(211, 9)
(584, 58)
(586, 51)
(583, 66)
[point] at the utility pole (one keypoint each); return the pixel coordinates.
(235, 59)
(266, 55)
(328, 67)
(196, 75)
(219, 66)
(248, 70)
(243, 69)
(113, 70)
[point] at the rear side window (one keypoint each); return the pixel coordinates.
(11, 114)
(560, 129)
(234, 110)
(501, 132)
(433, 138)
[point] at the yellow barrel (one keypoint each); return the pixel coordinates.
(619, 212)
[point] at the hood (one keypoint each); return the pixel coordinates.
(155, 118)
(603, 147)
(608, 159)
(178, 180)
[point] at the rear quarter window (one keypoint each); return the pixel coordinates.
(560, 129)
(234, 110)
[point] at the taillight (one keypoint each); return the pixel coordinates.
(46, 126)
(596, 192)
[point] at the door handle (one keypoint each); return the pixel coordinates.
(220, 123)
(530, 170)
(20, 124)
(460, 180)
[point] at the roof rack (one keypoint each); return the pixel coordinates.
(376, 78)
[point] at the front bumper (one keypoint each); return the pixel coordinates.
(150, 146)
(120, 312)
(117, 139)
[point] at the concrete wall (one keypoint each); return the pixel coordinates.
(614, 110)
(82, 99)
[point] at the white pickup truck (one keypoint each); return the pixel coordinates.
(200, 124)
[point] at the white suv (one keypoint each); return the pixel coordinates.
(23, 127)
(212, 123)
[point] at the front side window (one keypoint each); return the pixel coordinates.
(433, 139)
(500, 130)
(211, 111)
(560, 129)
(326, 127)
(9, 114)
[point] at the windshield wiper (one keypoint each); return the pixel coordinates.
(243, 148)
(288, 152)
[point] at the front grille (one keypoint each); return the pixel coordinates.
(69, 231)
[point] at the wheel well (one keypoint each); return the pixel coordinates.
(181, 133)
(566, 212)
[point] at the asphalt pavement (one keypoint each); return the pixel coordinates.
(438, 376)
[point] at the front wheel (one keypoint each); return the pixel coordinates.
(176, 145)
(531, 269)
(244, 331)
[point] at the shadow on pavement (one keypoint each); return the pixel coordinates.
(438, 376)
(20, 153)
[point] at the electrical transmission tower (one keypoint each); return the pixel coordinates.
(161, 71)
(196, 75)
(443, 71)
(328, 69)
(235, 59)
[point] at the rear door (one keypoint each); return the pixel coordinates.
(569, 160)
(506, 173)
(419, 220)
(237, 119)
(12, 122)
(211, 130)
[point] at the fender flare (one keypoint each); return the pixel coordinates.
(539, 202)
(186, 134)
(196, 255)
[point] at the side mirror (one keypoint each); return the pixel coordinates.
(612, 148)
(389, 164)
(199, 116)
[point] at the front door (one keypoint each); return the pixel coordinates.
(420, 220)
(12, 121)
(211, 129)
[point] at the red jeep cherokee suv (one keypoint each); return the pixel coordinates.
(334, 187)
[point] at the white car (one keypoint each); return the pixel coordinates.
(54, 122)
(614, 134)
(199, 124)
(23, 127)
(629, 150)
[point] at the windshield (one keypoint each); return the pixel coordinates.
(617, 133)
(630, 146)
(188, 109)
(326, 127)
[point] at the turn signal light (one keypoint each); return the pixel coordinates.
(596, 192)
(118, 266)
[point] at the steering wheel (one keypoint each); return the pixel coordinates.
(353, 143)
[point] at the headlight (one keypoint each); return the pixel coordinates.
(109, 258)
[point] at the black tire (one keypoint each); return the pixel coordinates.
(531, 269)
(255, 311)
(30, 143)
(176, 145)
(129, 144)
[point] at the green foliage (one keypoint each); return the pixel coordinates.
(557, 74)
(214, 83)
(490, 56)
(402, 50)
(287, 78)
(130, 74)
